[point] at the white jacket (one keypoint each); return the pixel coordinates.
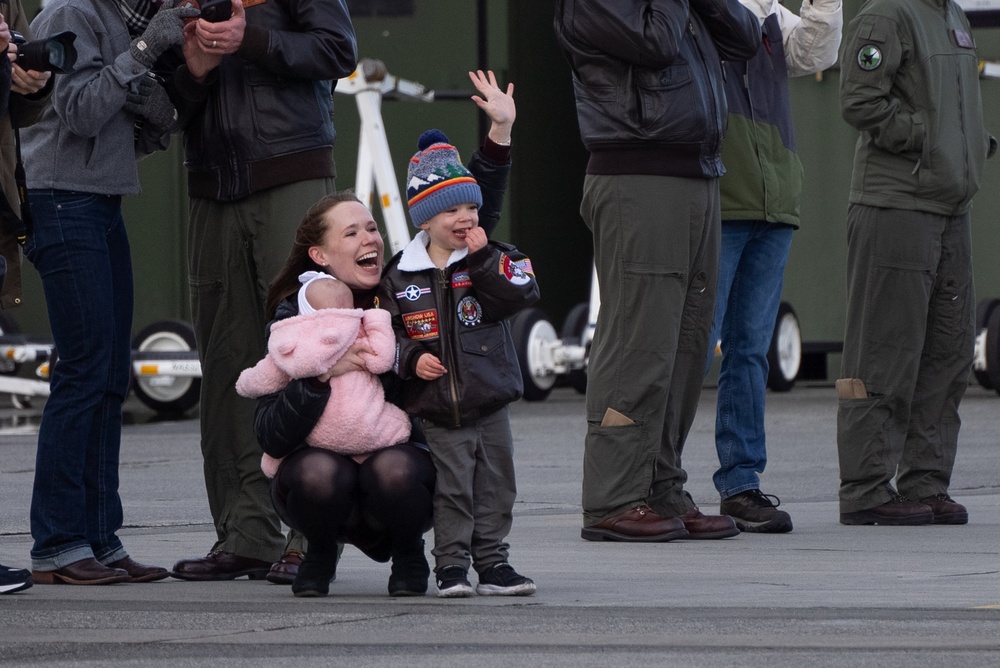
(811, 38)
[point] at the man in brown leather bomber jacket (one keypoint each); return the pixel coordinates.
(647, 76)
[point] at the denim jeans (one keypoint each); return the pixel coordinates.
(751, 271)
(81, 250)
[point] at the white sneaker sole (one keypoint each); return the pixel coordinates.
(11, 588)
(458, 591)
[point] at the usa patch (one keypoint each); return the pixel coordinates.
(460, 279)
(421, 325)
(514, 271)
(413, 293)
(469, 311)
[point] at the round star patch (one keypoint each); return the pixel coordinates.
(869, 57)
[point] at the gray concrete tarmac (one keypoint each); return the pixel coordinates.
(825, 594)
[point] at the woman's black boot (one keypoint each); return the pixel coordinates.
(409, 571)
(315, 573)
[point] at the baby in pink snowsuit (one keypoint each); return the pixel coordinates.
(357, 420)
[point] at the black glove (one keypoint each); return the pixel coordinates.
(165, 29)
(148, 99)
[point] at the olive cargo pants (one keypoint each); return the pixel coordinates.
(909, 339)
(234, 250)
(656, 249)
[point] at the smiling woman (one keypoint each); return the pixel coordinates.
(338, 236)
(380, 500)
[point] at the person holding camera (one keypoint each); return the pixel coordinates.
(23, 96)
(255, 99)
(80, 159)
(29, 93)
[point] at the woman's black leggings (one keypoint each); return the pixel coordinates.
(331, 498)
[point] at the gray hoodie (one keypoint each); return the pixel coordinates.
(85, 140)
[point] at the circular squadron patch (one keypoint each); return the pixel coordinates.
(469, 311)
(869, 57)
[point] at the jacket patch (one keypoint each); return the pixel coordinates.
(516, 272)
(413, 293)
(460, 279)
(964, 39)
(469, 311)
(869, 57)
(421, 325)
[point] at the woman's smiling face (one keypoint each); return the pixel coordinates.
(352, 246)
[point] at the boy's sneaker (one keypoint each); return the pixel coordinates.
(14, 579)
(453, 582)
(755, 512)
(502, 580)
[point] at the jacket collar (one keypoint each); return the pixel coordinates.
(415, 257)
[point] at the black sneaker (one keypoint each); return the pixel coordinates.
(755, 512)
(409, 572)
(502, 580)
(14, 579)
(453, 582)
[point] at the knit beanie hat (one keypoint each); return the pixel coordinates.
(436, 179)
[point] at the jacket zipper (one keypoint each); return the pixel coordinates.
(224, 127)
(961, 112)
(719, 122)
(449, 349)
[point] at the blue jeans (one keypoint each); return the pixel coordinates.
(80, 249)
(751, 270)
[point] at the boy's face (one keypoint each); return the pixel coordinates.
(447, 230)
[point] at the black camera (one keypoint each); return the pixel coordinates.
(52, 54)
(215, 11)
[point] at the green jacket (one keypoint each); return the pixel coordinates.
(763, 180)
(910, 84)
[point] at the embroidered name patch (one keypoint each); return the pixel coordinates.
(413, 293)
(421, 325)
(469, 311)
(460, 279)
(964, 39)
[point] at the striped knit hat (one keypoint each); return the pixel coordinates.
(436, 179)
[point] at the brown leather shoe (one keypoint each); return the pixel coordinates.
(284, 570)
(637, 525)
(704, 527)
(84, 572)
(946, 510)
(220, 565)
(897, 511)
(140, 572)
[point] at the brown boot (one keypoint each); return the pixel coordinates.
(140, 572)
(897, 511)
(707, 527)
(946, 510)
(636, 525)
(84, 572)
